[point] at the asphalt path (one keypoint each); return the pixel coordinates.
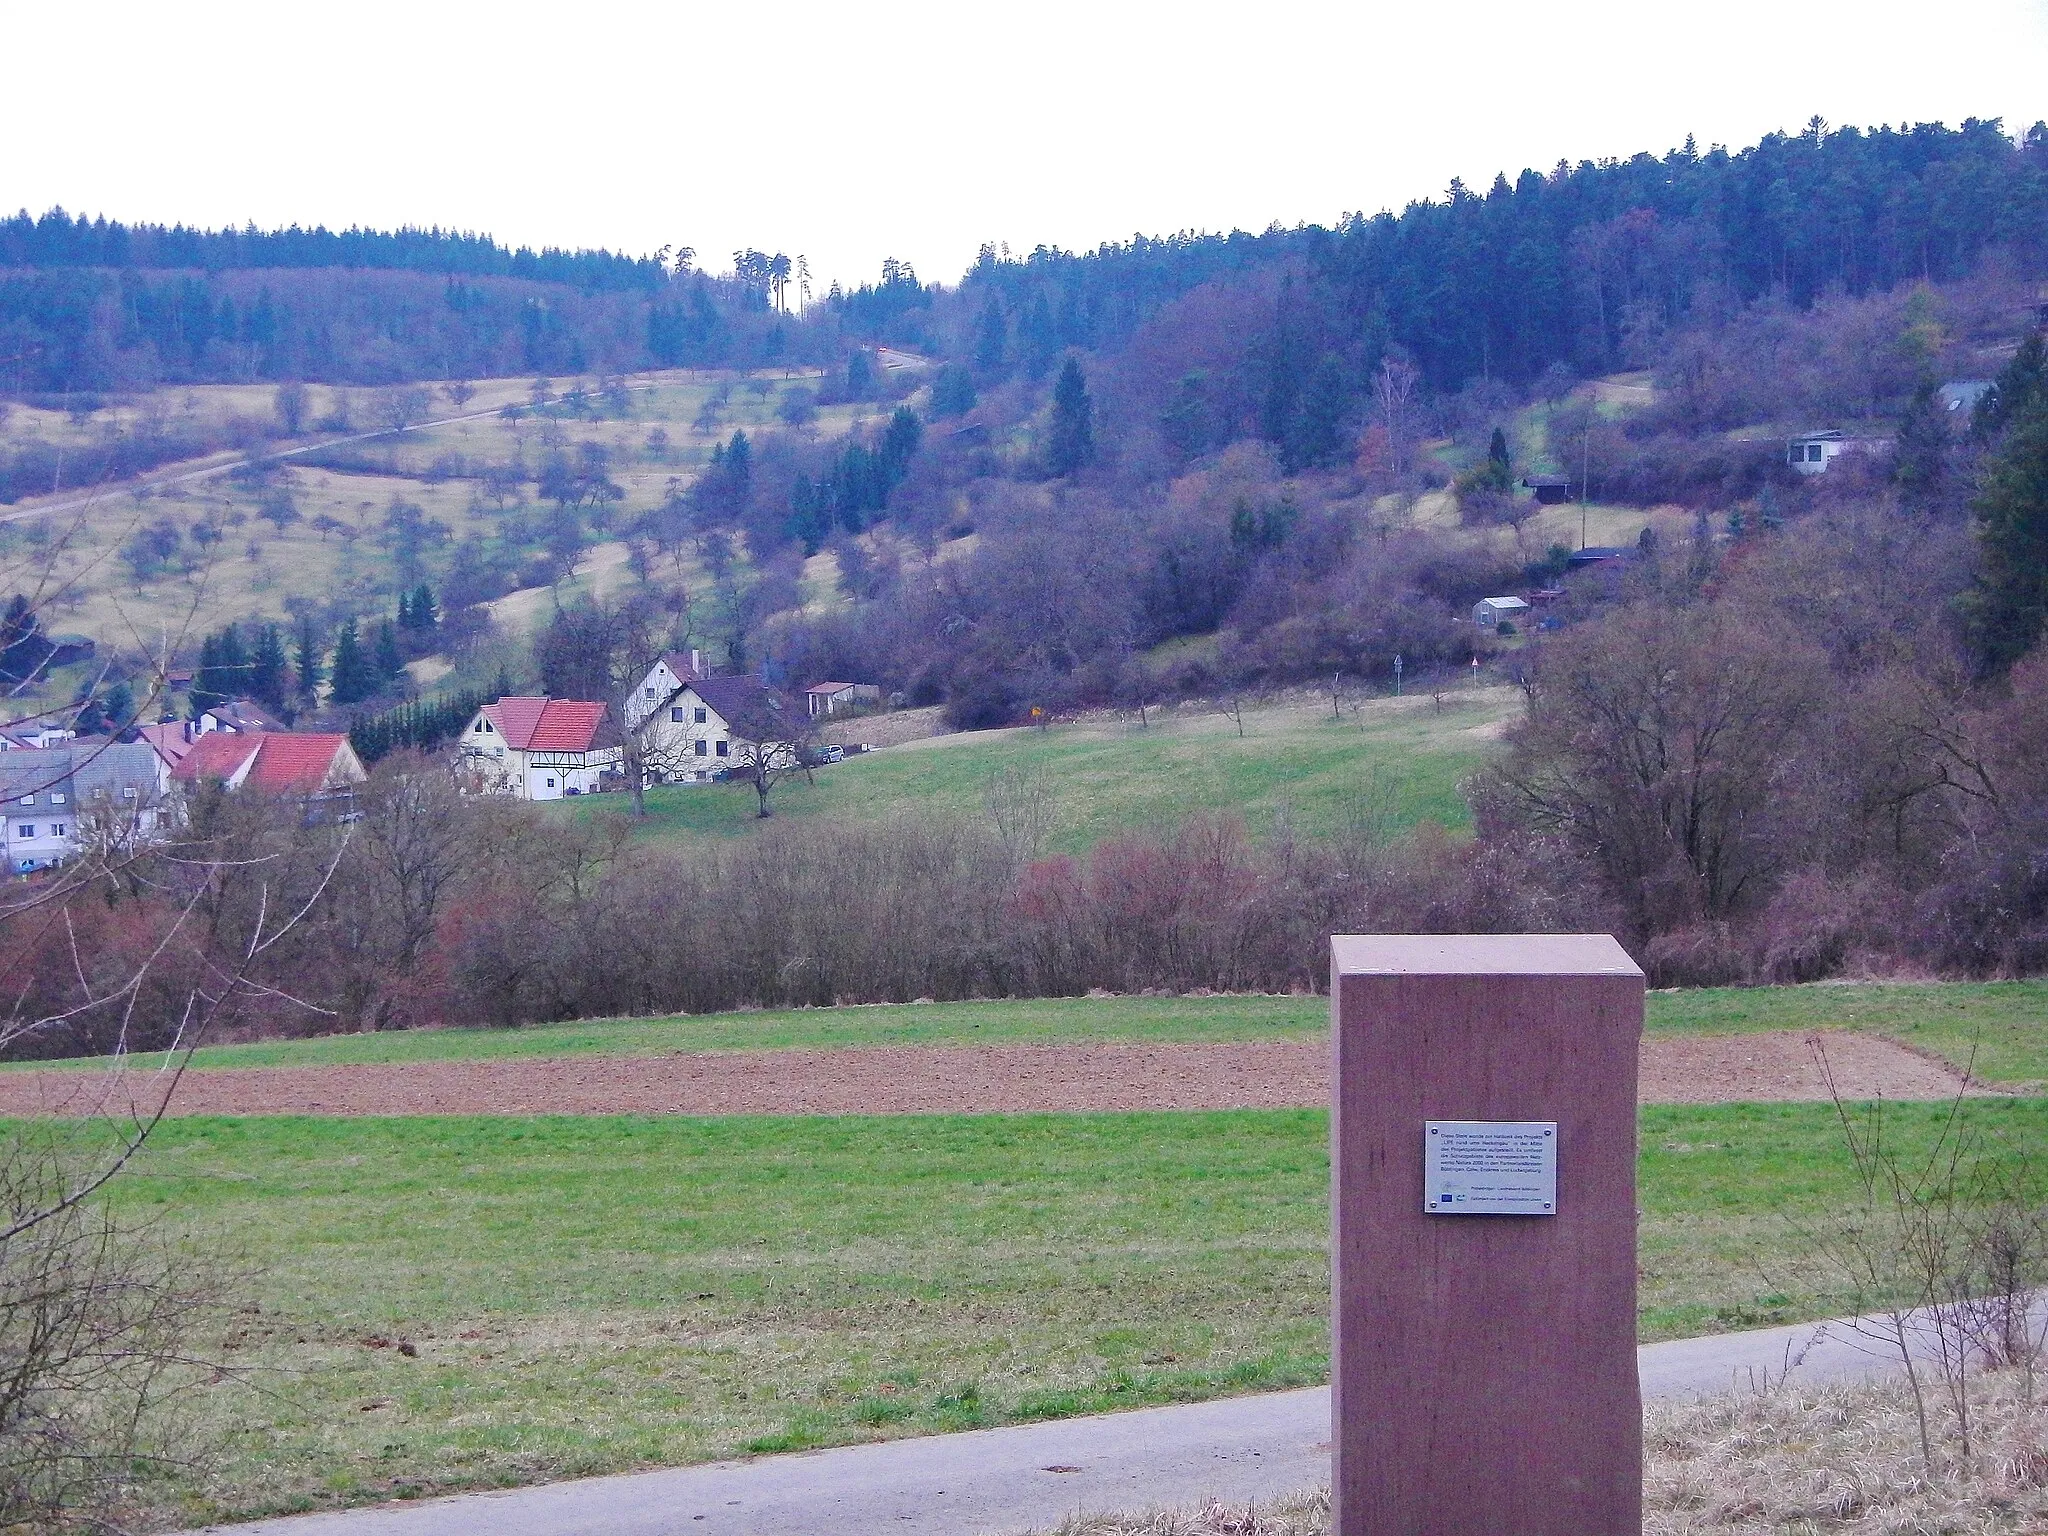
(1033, 1476)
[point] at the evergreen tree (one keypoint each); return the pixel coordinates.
(119, 705)
(1920, 457)
(354, 676)
(389, 659)
(2007, 610)
(307, 664)
(991, 338)
(223, 671)
(2020, 384)
(1316, 434)
(88, 714)
(1497, 451)
(899, 446)
(1040, 336)
(24, 652)
(1072, 441)
(423, 611)
(269, 672)
(203, 694)
(953, 393)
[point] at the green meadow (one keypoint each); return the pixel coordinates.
(596, 1294)
(1397, 762)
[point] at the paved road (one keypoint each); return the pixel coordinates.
(1029, 1476)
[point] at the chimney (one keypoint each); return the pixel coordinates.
(696, 663)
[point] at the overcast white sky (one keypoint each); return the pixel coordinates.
(855, 132)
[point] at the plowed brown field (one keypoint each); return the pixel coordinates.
(932, 1080)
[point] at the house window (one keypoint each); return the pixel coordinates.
(675, 717)
(722, 747)
(128, 792)
(57, 830)
(1814, 453)
(56, 799)
(648, 691)
(28, 799)
(26, 829)
(551, 783)
(700, 717)
(703, 748)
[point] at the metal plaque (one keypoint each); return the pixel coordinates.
(1489, 1167)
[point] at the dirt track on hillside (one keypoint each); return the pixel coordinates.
(932, 1079)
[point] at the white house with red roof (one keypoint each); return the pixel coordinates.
(307, 763)
(538, 748)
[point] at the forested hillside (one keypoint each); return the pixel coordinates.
(98, 306)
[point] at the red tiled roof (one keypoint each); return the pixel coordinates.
(169, 739)
(542, 724)
(295, 760)
(217, 755)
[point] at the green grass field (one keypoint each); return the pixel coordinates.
(2000, 1026)
(1397, 761)
(588, 1295)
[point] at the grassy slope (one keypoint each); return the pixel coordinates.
(720, 1285)
(1401, 760)
(2005, 1023)
(256, 567)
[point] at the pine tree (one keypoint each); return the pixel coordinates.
(1316, 434)
(1497, 451)
(308, 679)
(991, 338)
(269, 673)
(119, 705)
(426, 613)
(2009, 607)
(1073, 429)
(1920, 456)
(389, 660)
(205, 693)
(353, 678)
(2020, 385)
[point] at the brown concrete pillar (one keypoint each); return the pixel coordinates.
(1484, 1366)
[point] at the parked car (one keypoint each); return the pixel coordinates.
(831, 754)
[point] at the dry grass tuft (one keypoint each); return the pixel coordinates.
(1844, 1459)
(1830, 1460)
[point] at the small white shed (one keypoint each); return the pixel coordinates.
(1492, 612)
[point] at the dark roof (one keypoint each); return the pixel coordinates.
(1596, 553)
(749, 707)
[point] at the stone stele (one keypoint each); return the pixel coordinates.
(1484, 1366)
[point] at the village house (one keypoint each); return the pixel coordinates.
(319, 766)
(1812, 452)
(534, 747)
(664, 680)
(59, 799)
(826, 699)
(711, 724)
